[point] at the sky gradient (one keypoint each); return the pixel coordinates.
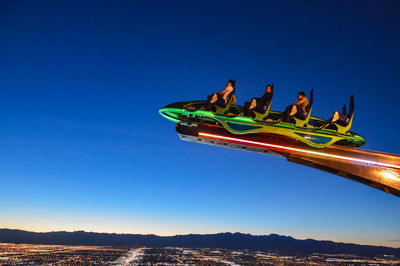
(82, 146)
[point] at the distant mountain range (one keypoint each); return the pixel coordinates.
(236, 241)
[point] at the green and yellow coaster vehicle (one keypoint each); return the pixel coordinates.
(315, 132)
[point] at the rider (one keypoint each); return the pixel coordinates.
(222, 97)
(258, 104)
(341, 119)
(300, 109)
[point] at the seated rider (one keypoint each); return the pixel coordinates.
(221, 98)
(298, 108)
(258, 104)
(340, 118)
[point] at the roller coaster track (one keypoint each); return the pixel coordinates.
(376, 169)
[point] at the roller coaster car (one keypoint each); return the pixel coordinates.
(315, 132)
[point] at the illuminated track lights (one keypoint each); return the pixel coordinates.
(300, 150)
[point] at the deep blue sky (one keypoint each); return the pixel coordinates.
(82, 145)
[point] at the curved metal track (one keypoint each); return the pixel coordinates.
(375, 169)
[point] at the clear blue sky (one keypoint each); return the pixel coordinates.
(82, 146)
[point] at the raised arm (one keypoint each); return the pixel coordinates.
(301, 101)
(227, 90)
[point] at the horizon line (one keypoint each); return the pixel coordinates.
(340, 242)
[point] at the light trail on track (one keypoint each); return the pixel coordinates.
(268, 145)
